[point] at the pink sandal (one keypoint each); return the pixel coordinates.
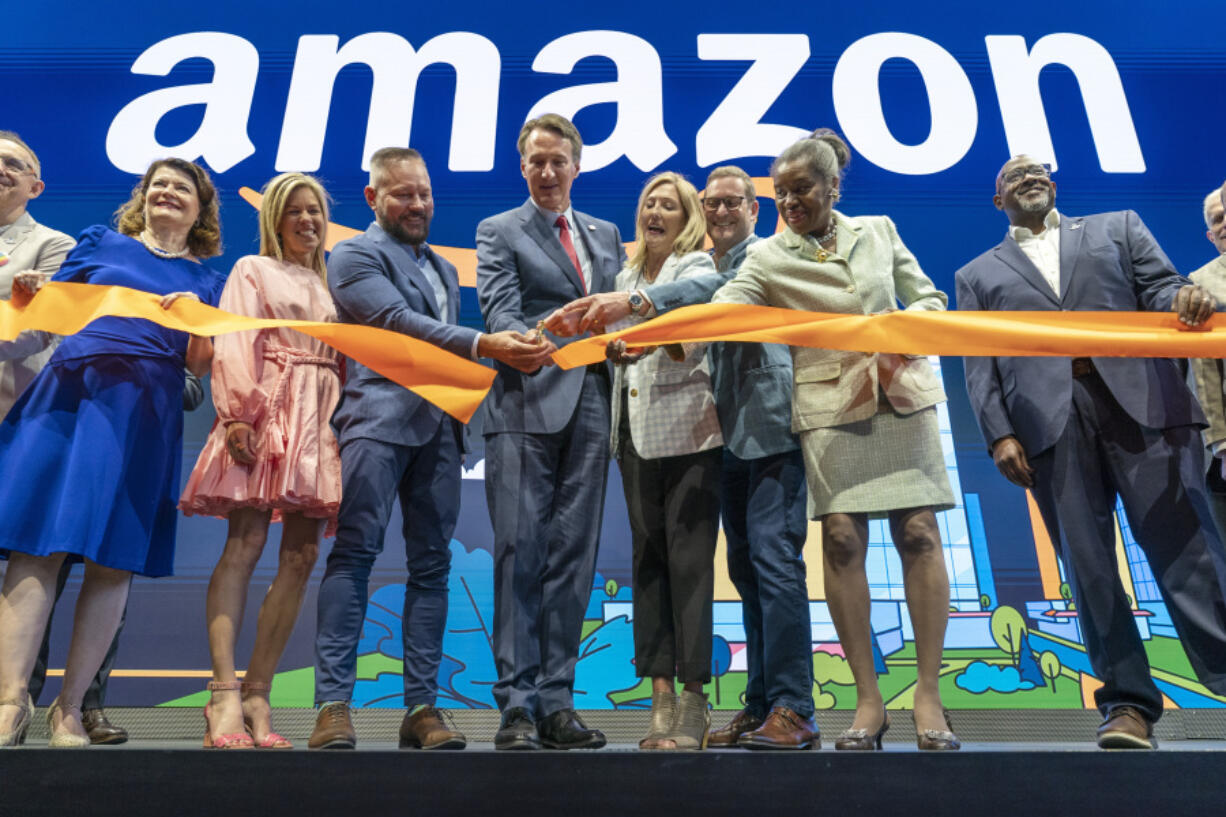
(233, 740)
(272, 740)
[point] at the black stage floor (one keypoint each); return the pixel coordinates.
(175, 777)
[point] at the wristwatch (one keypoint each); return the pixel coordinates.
(637, 302)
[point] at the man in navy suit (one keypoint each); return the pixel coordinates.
(546, 443)
(1079, 433)
(393, 443)
(762, 479)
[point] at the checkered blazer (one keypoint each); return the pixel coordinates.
(671, 406)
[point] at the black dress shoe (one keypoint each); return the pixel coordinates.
(518, 731)
(100, 730)
(564, 729)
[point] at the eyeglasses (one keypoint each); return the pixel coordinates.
(16, 166)
(1017, 174)
(711, 203)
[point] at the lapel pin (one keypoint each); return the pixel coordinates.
(592, 227)
(4, 259)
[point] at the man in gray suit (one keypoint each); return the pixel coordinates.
(762, 478)
(546, 443)
(393, 443)
(1080, 433)
(29, 254)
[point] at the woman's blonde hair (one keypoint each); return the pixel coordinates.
(692, 235)
(277, 194)
(204, 238)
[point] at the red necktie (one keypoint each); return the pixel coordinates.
(569, 246)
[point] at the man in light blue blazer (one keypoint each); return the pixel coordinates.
(394, 443)
(762, 478)
(546, 443)
(1080, 433)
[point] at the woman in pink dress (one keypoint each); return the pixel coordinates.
(271, 456)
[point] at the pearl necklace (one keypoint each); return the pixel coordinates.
(158, 251)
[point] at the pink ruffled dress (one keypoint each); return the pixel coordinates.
(285, 385)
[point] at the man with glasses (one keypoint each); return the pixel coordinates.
(762, 481)
(1078, 433)
(29, 254)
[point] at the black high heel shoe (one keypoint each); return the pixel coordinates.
(859, 740)
(938, 740)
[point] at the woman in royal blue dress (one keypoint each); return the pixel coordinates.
(91, 451)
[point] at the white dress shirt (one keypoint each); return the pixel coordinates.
(1043, 249)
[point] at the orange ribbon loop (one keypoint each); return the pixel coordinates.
(967, 334)
(455, 385)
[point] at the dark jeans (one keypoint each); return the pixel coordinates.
(1159, 475)
(673, 503)
(427, 480)
(95, 696)
(763, 505)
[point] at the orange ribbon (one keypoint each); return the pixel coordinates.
(455, 385)
(967, 334)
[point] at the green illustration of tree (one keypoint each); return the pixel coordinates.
(1008, 627)
(1066, 593)
(829, 669)
(1049, 665)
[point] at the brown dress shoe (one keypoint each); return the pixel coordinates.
(727, 736)
(101, 731)
(333, 728)
(425, 729)
(1126, 728)
(783, 729)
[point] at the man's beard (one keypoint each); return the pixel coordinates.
(398, 231)
(1036, 205)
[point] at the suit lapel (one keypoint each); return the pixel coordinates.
(603, 267)
(849, 234)
(411, 270)
(541, 231)
(1071, 231)
(22, 227)
(1011, 254)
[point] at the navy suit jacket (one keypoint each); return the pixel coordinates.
(752, 381)
(1108, 262)
(523, 275)
(375, 281)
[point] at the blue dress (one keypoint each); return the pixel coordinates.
(91, 451)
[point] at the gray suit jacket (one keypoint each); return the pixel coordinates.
(523, 275)
(1108, 262)
(30, 247)
(872, 272)
(376, 281)
(752, 381)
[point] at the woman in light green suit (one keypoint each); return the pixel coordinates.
(867, 422)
